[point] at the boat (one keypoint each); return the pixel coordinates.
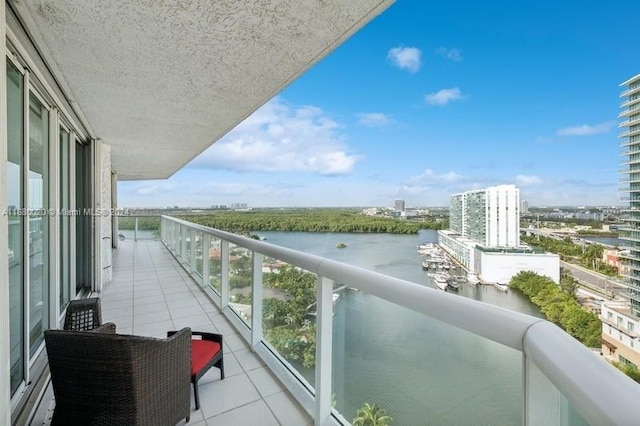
(440, 280)
(472, 278)
(341, 245)
(502, 286)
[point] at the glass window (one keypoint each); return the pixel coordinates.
(38, 222)
(15, 189)
(65, 207)
(84, 241)
(630, 326)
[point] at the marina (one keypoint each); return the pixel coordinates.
(445, 273)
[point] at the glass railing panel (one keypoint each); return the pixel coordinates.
(215, 264)
(545, 403)
(178, 239)
(148, 228)
(198, 259)
(187, 235)
(288, 315)
(240, 279)
(417, 369)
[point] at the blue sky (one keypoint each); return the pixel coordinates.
(429, 99)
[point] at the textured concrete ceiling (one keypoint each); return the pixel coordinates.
(162, 80)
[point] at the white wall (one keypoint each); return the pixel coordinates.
(501, 267)
(103, 218)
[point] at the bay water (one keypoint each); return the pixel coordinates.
(420, 370)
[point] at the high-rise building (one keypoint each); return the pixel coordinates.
(621, 320)
(484, 236)
(630, 190)
(524, 206)
(399, 205)
(489, 216)
(457, 213)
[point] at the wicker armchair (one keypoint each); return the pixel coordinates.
(103, 378)
(83, 314)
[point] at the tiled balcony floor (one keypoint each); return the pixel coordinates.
(151, 293)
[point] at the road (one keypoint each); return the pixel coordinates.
(608, 286)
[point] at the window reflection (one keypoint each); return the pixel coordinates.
(15, 187)
(38, 223)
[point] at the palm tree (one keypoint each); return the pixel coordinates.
(371, 415)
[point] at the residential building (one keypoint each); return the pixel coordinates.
(398, 205)
(620, 334)
(489, 216)
(630, 189)
(524, 207)
(621, 322)
(612, 256)
(405, 214)
(484, 236)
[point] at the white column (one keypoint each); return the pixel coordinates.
(5, 365)
(114, 203)
(96, 174)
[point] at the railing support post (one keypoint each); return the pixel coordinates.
(256, 300)
(135, 228)
(525, 391)
(324, 342)
(224, 274)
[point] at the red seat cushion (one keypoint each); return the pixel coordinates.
(201, 353)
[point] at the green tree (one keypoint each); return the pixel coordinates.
(371, 415)
(629, 369)
(559, 307)
(568, 284)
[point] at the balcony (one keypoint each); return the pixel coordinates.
(629, 133)
(150, 294)
(630, 91)
(159, 286)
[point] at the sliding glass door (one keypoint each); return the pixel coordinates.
(65, 218)
(38, 204)
(15, 190)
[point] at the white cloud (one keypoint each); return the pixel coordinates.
(528, 180)
(412, 190)
(443, 96)
(405, 58)
(374, 119)
(279, 137)
(430, 176)
(451, 54)
(153, 188)
(586, 130)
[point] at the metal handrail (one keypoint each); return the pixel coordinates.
(600, 393)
